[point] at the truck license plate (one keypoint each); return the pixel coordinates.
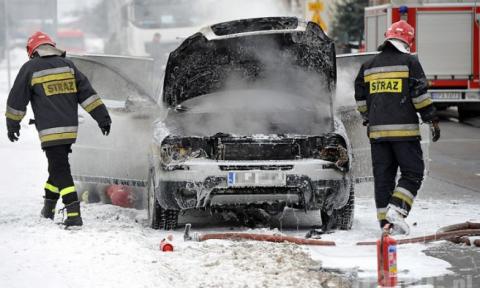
(446, 95)
(256, 179)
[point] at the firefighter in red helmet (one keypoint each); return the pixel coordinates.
(390, 90)
(54, 87)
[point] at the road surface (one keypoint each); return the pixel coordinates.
(456, 160)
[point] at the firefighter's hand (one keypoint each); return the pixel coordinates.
(366, 124)
(13, 135)
(105, 129)
(435, 128)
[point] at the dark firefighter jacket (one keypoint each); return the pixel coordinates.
(389, 90)
(55, 87)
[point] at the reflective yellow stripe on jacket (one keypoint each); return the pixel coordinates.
(398, 130)
(53, 74)
(387, 72)
(422, 101)
(58, 133)
(14, 114)
(362, 106)
(91, 103)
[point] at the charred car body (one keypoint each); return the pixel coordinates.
(251, 124)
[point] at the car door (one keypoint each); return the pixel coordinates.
(127, 86)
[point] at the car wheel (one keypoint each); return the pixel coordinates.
(343, 217)
(158, 217)
(470, 110)
(168, 219)
(154, 209)
(463, 114)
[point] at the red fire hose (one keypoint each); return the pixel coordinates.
(457, 227)
(455, 233)
(431, 238)
(264, 237)
(255, 237)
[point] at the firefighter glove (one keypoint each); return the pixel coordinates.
(435, 131)
(13, 135)
(105, 129)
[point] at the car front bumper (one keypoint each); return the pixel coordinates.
(196, 183)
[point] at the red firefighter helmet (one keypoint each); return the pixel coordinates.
(401, 30)
(37, 39)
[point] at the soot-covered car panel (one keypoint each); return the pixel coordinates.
(251, 124)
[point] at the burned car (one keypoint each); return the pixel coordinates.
(251, 125)
(246, 123)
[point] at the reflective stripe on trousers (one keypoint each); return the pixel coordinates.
(51, 188)
(381, 213)
(67, 190)
(404, 195)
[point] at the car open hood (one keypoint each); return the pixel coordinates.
(278, 53)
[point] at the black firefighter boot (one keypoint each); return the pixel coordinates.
(48, 210)
(73, 215)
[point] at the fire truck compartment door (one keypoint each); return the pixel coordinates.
(445, 43)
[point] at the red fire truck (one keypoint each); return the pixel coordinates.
(447, 42)
(72, 40)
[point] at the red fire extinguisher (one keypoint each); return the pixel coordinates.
(166, 244)
(387, 260)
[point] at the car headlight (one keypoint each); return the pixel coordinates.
(174, 153)
(333, 150)
(337, 154)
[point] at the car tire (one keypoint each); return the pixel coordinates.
(154, 209)
(466, 111)
(168, 219)
(343, 217)
(463, 114)
(158, 217)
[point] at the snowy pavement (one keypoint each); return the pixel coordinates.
(117, 249)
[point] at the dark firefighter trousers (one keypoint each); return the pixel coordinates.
(60, 181)
(387, 157)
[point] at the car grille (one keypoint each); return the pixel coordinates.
(259, 151)
(255, 167)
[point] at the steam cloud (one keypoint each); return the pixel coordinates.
(345, 86)
(283, 99)
(226, 10)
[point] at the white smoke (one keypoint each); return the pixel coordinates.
(226, 10)
(284, 99)
(345, 91)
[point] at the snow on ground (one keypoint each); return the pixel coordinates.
(115, 248)
(428, 215)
